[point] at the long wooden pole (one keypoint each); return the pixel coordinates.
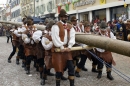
(117, 46)
(113, 45)
(40, 27)
(76, 48)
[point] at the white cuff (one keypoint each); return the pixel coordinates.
(62, 47)
(69, 46)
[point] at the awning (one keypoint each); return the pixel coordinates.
(37, 20)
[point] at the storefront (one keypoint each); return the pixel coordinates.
(99, 14)
(90, 9)
(84, 16)
(118, 11)
(70, 16)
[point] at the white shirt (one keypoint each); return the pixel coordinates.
(46, 46)
(79, 29)
(16, 33)
(26, 39)
(56, 39)
(36, 36)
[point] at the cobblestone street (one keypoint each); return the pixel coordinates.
(14, 75)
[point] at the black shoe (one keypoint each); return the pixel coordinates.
(9, 61)
(17, 61)
(94, 70)
(77, 74)
(37, 69)
(35, 64)
(109, 76)
(84, 69)
(42, 81)
(99, 74)
(28, 72)
(57, 82)
(25, 68)
(23, 65)
(63, 78)
(71, 82)
(50, 74)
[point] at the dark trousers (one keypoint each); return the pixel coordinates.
(45, 71)
(8, 39)
(95, 61)
(70, 67)
(82, 61)
(100, 65)
(40, 62)
(28, 60)
(14, 50)
(21, 52)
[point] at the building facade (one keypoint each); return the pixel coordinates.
(15, 11)
(2, 13)
(8, 10)
(89, 9)
(45, 8)
(27, 7)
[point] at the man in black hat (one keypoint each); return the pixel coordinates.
(104, 54)
(83, 57)
(63, 37)
(77, 27)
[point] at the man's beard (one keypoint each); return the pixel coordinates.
(64, 21)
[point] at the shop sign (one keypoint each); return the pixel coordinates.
(84, 2)
(102, 1)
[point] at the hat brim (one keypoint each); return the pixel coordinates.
(103, 29)
(66, 14)
(74, 20)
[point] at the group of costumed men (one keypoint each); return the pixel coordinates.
(40, 46)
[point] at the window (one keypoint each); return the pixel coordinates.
(18, 12)
(42, 9)
(18, 1)
(70, 0)
(14, 3)
(25, 1)
(37, 0)
(57, 1)
(63, 0)
(11, 5)
(37, 10)
(14, 15)
(49, 6)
